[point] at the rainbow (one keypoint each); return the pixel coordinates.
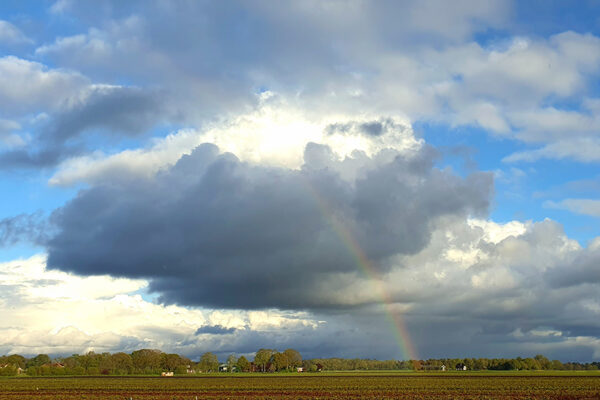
(400, 332)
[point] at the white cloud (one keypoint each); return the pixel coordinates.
(580, 149)
(8, 137)
(274, 133)
(551, 124)
(589, 207)
(93, 44)
(480, 260)
(494, 232)
(47, 311)
(503, 87)
(11, 34)
(60, 6)
(29, 87)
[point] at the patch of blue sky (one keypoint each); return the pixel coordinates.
(147, 295)
(542, 175)
(548, 17)
(19, 251)
(542, 19)
(28, 192)
(485, 149)
(520, 189)
(36, 21)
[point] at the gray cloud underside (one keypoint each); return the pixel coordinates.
(218, 232)
(123, 110)
(370, 128)
(111, 111)
(214, 330)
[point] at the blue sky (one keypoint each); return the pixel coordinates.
(187, 160)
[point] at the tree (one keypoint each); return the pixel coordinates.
(146, 360)
(242, 364)
(122, 363)
(280, 361)
(170, 362)
(294, 358)
(9, 370)
(557, 365)
(106, 364)
(38, 360)
(208, 362)
(544, 363)
(181, 370)
(16, 360)
(263, 357)
(231, 362)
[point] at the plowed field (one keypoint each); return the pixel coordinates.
(354, 386)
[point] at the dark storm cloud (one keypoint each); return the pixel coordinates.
(214, 330)
(22, 228)
(110, 111)
(218, 232)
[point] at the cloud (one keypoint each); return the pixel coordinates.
(109, 110)
(495, 279)
(582, 271)
(579, 149)
(60, 314)
(28, 87)
(275, 133)
(589, 207)
(501, 283)
(218, 232)
(114, 109)
(402, 61)
(8, 137)
(214, 330)
(141, 45)
(60, 6)
(10, 34)
(30, 228)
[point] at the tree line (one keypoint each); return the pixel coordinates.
(153, 362)
(147, 362)
(537, 363)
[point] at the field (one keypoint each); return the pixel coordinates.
(324, 386)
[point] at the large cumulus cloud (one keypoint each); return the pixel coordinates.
(215, 231)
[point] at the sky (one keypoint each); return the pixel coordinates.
(390, 179)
